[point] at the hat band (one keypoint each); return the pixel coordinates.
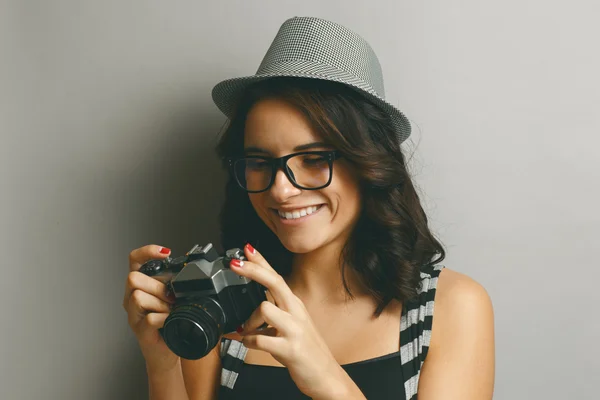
(317, 70)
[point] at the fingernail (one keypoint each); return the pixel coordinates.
(239, 329)
(236, 263)
(165, 250)
(250, 248)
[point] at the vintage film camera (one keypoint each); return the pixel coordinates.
(211, 299)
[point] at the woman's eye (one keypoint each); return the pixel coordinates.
(313, 161)
(257, 164)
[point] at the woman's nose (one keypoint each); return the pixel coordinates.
(282, 188)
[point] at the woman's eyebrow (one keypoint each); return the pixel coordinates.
(308, 146)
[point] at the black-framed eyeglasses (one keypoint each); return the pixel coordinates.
(308, 170)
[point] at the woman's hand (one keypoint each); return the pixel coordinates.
(148, 305)
(291, 337)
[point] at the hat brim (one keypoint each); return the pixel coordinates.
(227, 93)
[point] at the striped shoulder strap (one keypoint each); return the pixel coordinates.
(415, 330)
(232, 358)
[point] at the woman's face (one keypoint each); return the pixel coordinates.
(275, 129)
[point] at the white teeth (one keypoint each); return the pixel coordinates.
(298, 213)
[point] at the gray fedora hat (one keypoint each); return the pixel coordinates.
(309, 47)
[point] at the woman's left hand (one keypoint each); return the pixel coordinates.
(291, 337)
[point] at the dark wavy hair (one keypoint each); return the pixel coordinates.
(391, 241)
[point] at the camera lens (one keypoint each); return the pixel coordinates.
(192, 330)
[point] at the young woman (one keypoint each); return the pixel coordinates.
(320, 195)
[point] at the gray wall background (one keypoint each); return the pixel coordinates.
(107, 134)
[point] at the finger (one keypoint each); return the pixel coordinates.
(269, 297)
(281, 292)
(151, 322)
(256, 319)
(271, 344)
(137, 280)
(142, 303)
(253, 255)
(270, 314)
(268, 331)
(146, 253)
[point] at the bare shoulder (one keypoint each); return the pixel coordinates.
(461, 305)
(457, 292)
(461, 357)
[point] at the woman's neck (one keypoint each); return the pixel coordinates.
(317, 276)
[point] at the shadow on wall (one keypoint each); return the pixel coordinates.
(178, 190)
(172, 198)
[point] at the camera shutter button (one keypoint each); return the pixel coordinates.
(152, 267)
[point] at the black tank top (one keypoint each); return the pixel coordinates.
(393, 376)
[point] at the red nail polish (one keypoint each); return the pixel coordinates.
(164, 250)
(250, 248)
(239, 329)
(236, 263)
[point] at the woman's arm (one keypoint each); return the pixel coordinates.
(188, 380)
(203, 377)
(460, 362)
(166, 384)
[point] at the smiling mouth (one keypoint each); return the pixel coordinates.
(298, 213)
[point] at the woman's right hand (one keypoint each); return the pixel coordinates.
(147, 306)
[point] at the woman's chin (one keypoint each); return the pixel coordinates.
(299, 246)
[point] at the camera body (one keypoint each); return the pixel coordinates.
(210, 299)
